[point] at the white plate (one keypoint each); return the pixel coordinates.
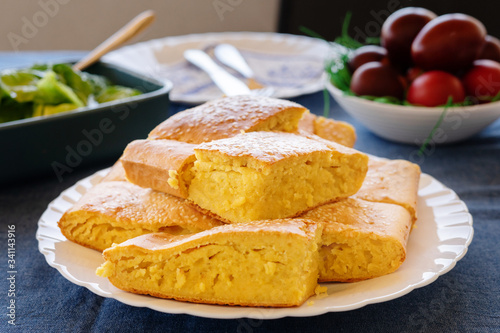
(444, 231)
(293, 65)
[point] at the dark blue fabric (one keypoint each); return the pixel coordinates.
(467, 299)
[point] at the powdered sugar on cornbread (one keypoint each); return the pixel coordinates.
(268, 147)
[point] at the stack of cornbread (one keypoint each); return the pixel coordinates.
(246, 201)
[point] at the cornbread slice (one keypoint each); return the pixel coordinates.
(163, 165)
(329, 129)
(334, 130)
(114, 211)
(361, 239)
(228, 116)
(391, 181)
(264, 263)
(270, 175)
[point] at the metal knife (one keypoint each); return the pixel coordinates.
(230, 85)
(231, 57)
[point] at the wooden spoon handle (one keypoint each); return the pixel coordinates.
(138, 24)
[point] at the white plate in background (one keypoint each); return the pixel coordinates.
(292, 65)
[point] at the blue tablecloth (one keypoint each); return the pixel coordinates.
(467, 299)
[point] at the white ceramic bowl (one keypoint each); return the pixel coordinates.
(412, 124)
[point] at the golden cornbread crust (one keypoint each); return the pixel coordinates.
(391, 181)
(112, 212)
(274, 264)
(227, 117)
(361, 239)
(151, 163)
(300, 227)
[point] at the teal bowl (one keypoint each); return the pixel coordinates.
(62, 143)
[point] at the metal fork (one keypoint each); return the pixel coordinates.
(226, 82)
(231, 57)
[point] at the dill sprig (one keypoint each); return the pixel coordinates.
(344, 39)
(431, 134)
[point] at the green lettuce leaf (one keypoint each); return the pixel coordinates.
(113, 93)
(47, 109)
(97, 82)
(79, 83)
(11, 110)
(20, 85)
(51, 91)
(40, 67)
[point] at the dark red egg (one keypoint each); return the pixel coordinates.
(377, 79)
(413, 73)
(491, 49)
(449, 42)
(364, 54)
(434, 88)
(399, 31)
(483, 79)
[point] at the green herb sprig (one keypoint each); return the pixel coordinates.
(436, 126)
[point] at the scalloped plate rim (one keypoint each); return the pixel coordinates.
(207, 311)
